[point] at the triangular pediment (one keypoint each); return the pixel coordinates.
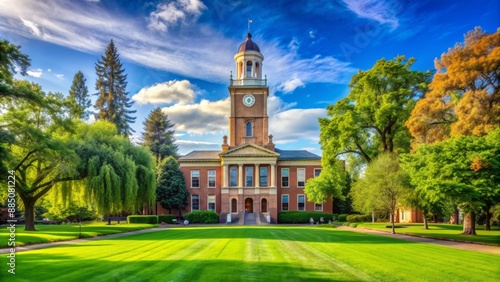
(249, 150)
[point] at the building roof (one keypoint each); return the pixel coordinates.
(294, 155)
(201, 156)
(248, 45)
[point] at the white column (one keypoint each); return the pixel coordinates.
(240, 175)
(225, 176)
(273, 175)
(257, 176)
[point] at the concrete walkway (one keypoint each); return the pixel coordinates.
(76, 241)
(453, 244)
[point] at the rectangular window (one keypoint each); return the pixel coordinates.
(318, 207)
(301, 203)
(233, 176)
(195, 179)
(284, 177)
(248, 176)
(211, 179)
(195, 202)
(211, 202)
(301, 177)
(317, 171)
(284, 202)
(263, 177)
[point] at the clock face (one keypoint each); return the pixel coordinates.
(249, 100)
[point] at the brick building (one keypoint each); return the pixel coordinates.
(249, 174)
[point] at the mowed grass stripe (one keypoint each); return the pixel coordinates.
(274, 253)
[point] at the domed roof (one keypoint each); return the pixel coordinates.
(248, 45)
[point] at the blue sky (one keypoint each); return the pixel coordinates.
(178, 54)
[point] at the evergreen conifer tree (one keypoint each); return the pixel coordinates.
(79, 97)
(113, 103)
(158, 135)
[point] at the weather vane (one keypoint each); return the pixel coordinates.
(249, 21)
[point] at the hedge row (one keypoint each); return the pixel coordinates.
(359, 218)
(166, 218)
(151, 219)
(202, 217)
(303, 217)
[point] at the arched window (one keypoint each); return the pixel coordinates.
(257, 70)
(249, 69)
(248, 129)
(234, 206)
(263, 207)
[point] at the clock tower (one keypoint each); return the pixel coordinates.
(248, 120)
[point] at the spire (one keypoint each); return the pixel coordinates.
(249, 21)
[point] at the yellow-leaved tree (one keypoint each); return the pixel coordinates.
(464, 96)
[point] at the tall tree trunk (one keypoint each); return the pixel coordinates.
(392, 223)
(29, 215)
(488, 217)
(469, 224)
(455, 217)
(426, 225)
(373, 217)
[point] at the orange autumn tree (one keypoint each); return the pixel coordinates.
(464, 96)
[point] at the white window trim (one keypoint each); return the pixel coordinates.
(298, 186)
(208, 178)
(321, 207)
(287, 203)
(215, 202)
(304, 202)
(192, 202)
(199, 179)
(287, 176)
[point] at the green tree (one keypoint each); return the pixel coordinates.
(79, 97)
(113, 103)
(371, 118)
(383, 187)
(463, 170)
(40, 155)
(158, 135)
(171, 191)
(329, 184)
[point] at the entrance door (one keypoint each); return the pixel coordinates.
(263, 207)
(249, 205)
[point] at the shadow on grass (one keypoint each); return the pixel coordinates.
(303, 234)
(73, 268)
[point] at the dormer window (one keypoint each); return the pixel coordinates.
(248, 129)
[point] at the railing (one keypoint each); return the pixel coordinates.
(248, 82)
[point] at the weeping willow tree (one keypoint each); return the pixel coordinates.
(51, 151)
(118, 176)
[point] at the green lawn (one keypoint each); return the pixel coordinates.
(445, 231)
(275, 253)
(52, 233)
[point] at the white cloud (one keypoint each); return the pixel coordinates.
(291, 84)
(383, 12)
(49, 70)
(170, 14)
(294, 45)
(312, 34)
(202, 118)
(35, 73)
(60, 75)
(295, 124)
(193, 142)
(181, 91)
(35, 29)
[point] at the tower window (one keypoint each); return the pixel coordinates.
(249, 69)
(248, 129)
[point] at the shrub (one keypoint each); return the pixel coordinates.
(302, 217)
(359, 218)
(202, 217)
(71, 213)
(151, 219)
(342, 217)
(354, 225)
(167, 218)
